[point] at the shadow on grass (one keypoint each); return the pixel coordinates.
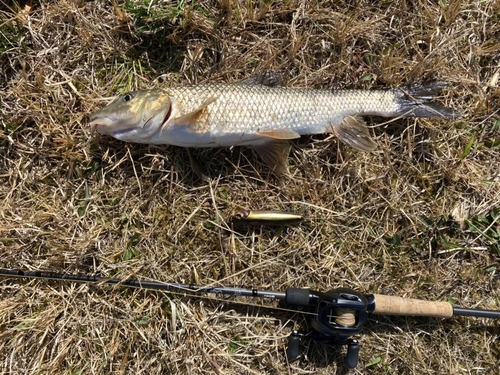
(136, 161)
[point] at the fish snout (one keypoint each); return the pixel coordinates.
(99, 123)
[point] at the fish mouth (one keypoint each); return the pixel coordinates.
(116, 133)
(96, 121)
(104, 125)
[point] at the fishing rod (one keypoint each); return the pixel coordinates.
(338, 314)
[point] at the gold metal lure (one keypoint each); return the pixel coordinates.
(249, 217)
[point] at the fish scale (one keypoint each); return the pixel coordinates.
(239, 109)
(260, 116)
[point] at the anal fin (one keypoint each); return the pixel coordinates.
(353, 131)
(274, 153)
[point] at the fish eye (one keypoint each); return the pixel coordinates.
(128, 97)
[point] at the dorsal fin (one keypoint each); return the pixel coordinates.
(269, 79)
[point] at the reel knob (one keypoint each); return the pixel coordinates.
(293, 350)
(352, 357)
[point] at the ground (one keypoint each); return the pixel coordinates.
(417, 218)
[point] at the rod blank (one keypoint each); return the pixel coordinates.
(153, 285)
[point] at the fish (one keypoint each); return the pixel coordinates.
(256, 217)
(261, 113)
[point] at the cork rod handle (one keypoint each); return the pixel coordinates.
(388, 305)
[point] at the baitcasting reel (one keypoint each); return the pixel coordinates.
(340, 313)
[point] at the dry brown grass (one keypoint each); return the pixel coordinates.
(398, 221)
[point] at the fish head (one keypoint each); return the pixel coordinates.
(134, 116)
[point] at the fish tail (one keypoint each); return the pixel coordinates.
(410, 101)
(416, 101)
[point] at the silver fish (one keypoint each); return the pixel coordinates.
(255, 114)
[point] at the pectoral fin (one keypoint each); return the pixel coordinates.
(353, 131)
(274, 153)
(191, 119)
(279, 134)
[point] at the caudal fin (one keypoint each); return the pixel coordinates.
(416, 101)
